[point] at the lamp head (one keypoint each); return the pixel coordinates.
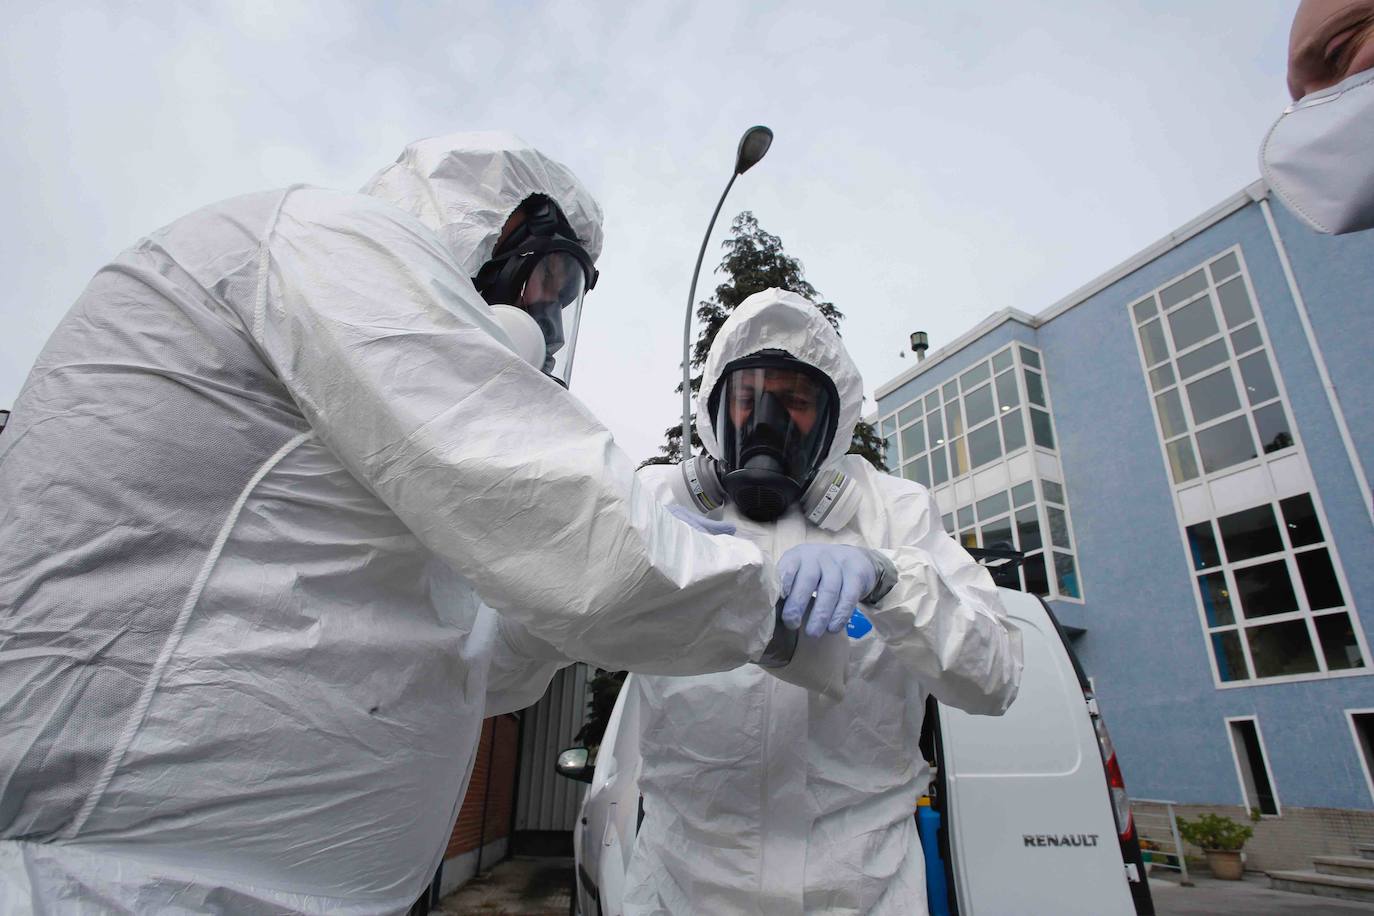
(753, 146)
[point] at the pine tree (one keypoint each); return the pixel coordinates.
(755, 261)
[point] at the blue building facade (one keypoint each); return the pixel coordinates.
(1182, 451)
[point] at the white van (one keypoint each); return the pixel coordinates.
(1034, 818)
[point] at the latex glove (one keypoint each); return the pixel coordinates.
(840, 575)
(700, 522)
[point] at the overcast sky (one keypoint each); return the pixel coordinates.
(933, 162)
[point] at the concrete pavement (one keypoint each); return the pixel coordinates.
(520, 886)
(1251, 896)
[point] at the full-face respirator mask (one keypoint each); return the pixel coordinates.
(536, 279)
(775, 418)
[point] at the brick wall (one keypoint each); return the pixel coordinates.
(493, 779)
(1288, 841)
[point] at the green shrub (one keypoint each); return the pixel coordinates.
(1215, 831)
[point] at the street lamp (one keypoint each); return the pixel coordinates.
(752, 147)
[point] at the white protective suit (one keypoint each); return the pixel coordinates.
(249, 496)
(762, 798)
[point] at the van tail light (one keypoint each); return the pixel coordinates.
(1116, 786)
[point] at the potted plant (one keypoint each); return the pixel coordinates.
(1148, 848)
(1220, 839)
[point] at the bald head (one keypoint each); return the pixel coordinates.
(1331, 40)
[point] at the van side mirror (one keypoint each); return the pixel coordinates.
(575, 763)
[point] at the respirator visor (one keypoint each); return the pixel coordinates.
(774, 413)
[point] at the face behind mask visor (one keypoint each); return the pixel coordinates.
(775, 419)
(542, 270)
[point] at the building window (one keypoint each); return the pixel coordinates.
(1209, 372)
(998, 408)
(1252, 767)
(1272, 601)
(1362, 730)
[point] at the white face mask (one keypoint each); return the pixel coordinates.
(1319, 156)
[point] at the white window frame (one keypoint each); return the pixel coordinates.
(898, 459)
(1252, 804)
(1365, 762)
(1205, 478)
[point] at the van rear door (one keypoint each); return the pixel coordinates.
(1031, 829)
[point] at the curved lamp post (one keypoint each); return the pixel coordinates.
(752, 147)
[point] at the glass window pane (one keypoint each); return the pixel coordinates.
(1339, 647)
(1182, 461)
(958, 458)
(939, 470)
(998, 534)
(1037, 581)
(1225, 444)
(1035, 391)
(1013, 431)
(1203, 545)
(995, 504)
(1235, 302)
(909, 413)
(1212, 396)
(1007, 395)
(975, 375)
(948, 521)
(1301, 518)
(1152, 343)
(954, 420)
(969, 539)
(1144, 309)
(1171, 419)
(1001, 361)
(1230, 658)
(1053, 492)
(965, 516)
(950, 391)
(913, 440)
(936, 425)
(1192, 324)
(932, 401)
(1030, 357)
(1265, 589)
(984, 445)
(1066, 575)
(1189, 286)
(918, 470)
(889, 426)
(890, 450)
(1040, 429)
(1319, 580)
(1059, 527)
(1251, 533)
(1224, 267)
(1272, 423)
(1247, 338)
(1023, 493)
(1281, 648)
(1216, 599)
(1259, 381)
(978, 405)
(1161, 377)
(1027, 529)
(1204, 357)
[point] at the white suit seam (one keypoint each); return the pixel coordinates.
(264, 259)
(174, 637)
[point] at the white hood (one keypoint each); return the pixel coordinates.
(465, 186)
(778, 320)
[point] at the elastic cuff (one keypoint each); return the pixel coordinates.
(887, 577)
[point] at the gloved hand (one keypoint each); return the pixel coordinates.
(839, 574)
(700, 522)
